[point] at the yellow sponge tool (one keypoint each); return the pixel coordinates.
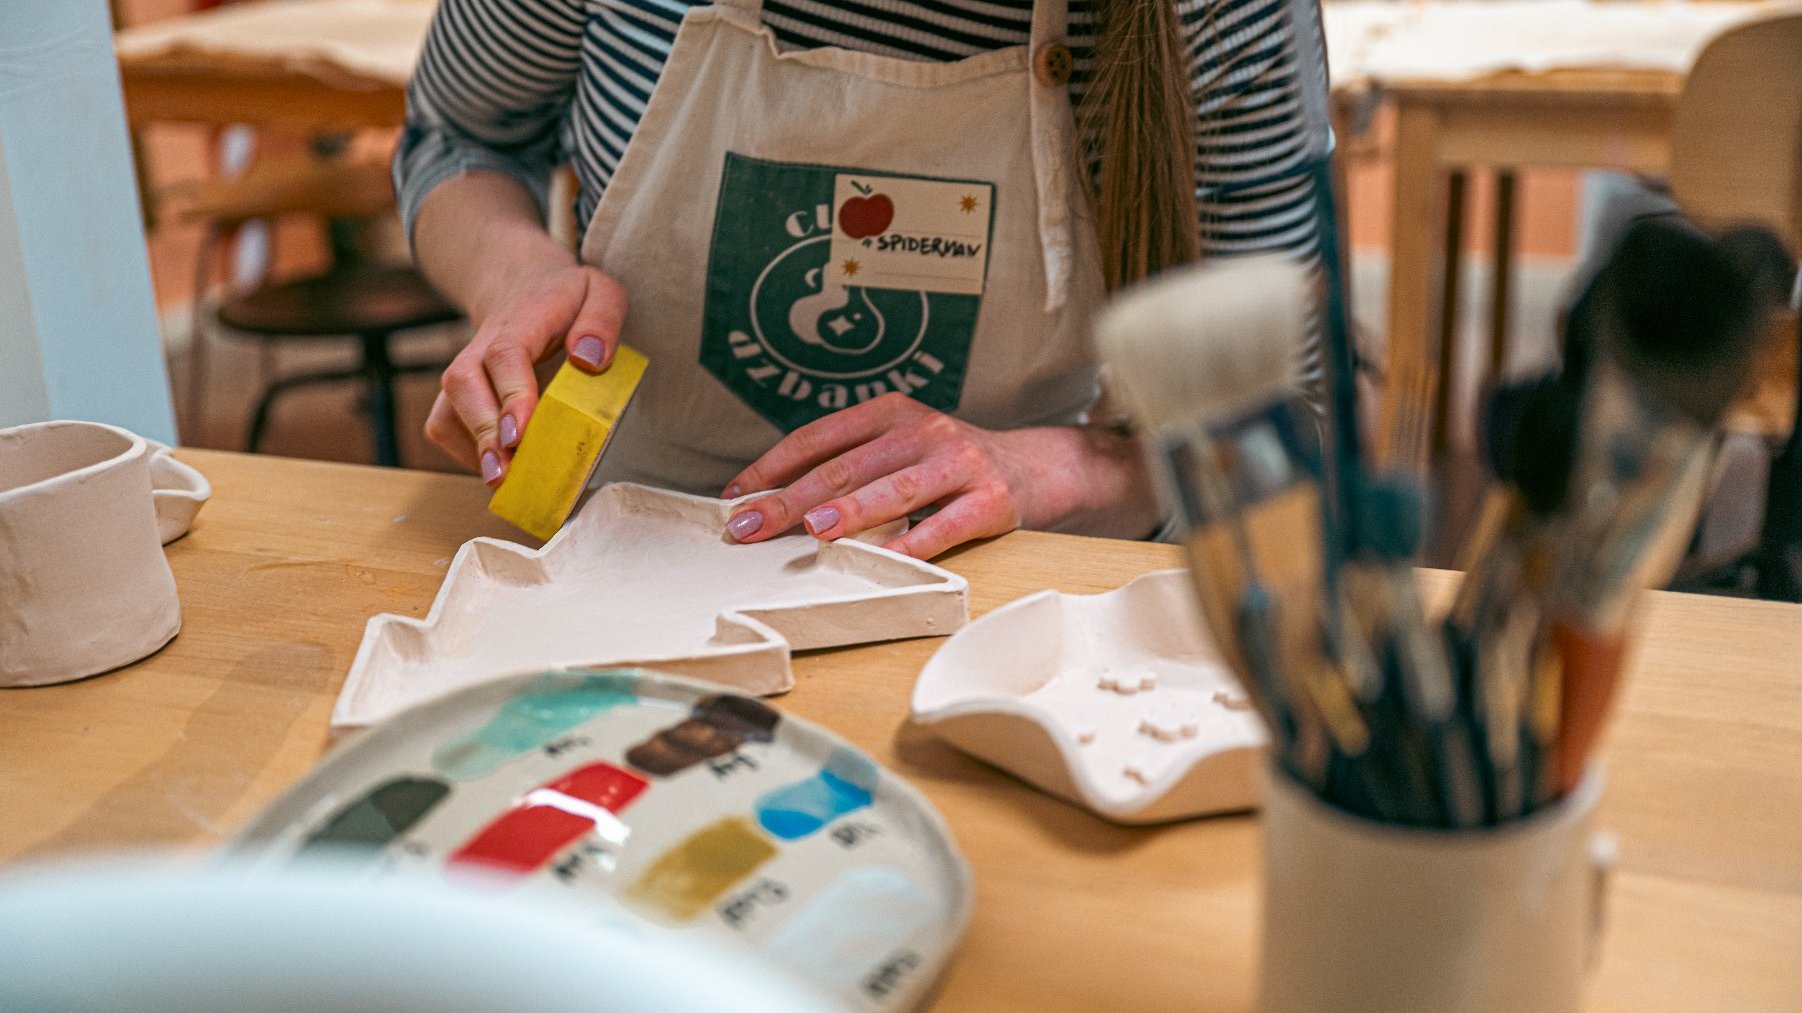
(563, 442)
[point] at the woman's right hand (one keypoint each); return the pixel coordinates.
(491, 388)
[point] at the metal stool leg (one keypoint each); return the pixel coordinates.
(259, 419)
(379, 371)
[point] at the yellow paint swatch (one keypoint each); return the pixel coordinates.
(563, 442)
(688, 878)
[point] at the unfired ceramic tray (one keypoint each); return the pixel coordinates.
(644, 576)
(656, 799)
(1118, 701)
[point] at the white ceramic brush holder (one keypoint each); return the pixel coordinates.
(1362, 916)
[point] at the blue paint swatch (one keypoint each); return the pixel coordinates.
(844, 785)
(553, 704)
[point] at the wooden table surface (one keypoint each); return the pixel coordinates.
(290, 558)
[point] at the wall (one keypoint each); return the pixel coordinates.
(78, 327)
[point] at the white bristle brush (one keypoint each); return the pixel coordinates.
(1209, 341)
(1199, 356)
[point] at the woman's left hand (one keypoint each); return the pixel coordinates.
(890, 456)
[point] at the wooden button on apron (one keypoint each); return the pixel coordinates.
(1052, 64)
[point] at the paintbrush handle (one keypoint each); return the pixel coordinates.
(1592, 668)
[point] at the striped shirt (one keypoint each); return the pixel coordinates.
(520, 86)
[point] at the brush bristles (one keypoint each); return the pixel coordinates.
(1211, 341)
(1682, 315)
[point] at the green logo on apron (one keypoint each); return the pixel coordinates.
(786, 326)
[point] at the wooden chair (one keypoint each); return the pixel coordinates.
(353, 299)
(1737, 159)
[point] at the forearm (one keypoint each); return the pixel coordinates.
(477, 236)
(1087, 480)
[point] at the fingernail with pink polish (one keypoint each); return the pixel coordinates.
(744, 525)
(588, 351)
(491, 467)
(509, 431)
(820, 519)
(732, 492)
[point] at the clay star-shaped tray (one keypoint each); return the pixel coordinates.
(647, 577)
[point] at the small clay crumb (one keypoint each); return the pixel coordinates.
(1160, 730)
(1084, 736)
(1127, 685)
(1231, 701)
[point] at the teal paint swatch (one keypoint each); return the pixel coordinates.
(553, 704)
(371, 822)
(844, 785)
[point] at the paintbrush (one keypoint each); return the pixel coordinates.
(1207, 359)
(1528, 435)
(1675, 316)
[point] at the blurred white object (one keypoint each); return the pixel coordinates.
(1378, 40)
(148, 936)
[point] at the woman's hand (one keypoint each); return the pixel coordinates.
(890, 456)
(481, 240)
(491, 388)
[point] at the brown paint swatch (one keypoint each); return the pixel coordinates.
(717, 725)
(688, 878)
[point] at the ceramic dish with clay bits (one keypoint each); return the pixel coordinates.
(644, 576)
(1118, 702)
(660, 800)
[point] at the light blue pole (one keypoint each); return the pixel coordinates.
(78, 326)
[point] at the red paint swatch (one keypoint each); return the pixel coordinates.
(549, 819)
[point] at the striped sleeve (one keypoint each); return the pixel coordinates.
(1256, 140)
(489, 94)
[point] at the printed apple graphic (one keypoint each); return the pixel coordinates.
(868, 215)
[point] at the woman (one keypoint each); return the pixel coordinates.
(861, 241)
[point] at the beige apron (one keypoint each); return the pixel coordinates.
(799, 231)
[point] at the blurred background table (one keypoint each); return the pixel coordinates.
(322, 64)
(1499, 86)
(1578, 118)
(290, 559)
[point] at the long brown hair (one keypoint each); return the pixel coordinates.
(1140, 112)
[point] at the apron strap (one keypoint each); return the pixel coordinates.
(752, 7)
(1054, 152)
(1050, 22)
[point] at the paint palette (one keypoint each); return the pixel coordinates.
(658, 800)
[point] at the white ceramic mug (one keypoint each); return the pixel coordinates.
(84, 511)
(1362, 916)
